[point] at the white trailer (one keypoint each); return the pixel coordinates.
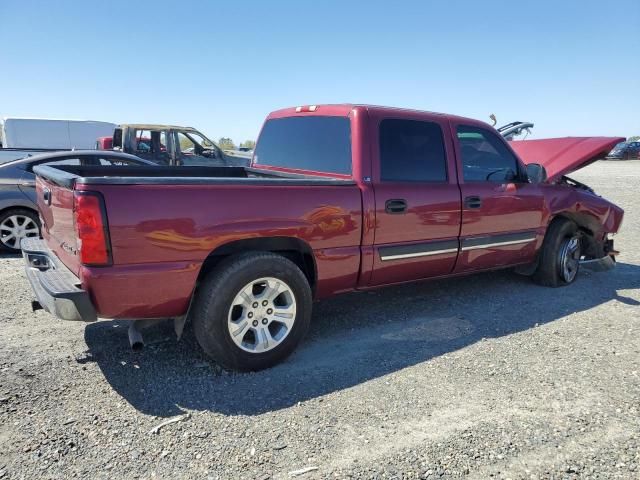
(23, 136)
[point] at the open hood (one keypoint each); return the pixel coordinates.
(561, 156)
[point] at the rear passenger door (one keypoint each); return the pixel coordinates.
(151, 145)
(417, 199)
(501, 211)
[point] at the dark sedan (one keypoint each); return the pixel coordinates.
(625, 151)
(18, 211)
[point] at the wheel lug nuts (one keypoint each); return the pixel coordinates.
(255, 304)
(264, 303)
(269, 311)
(264, 321)
(255, 323)
(250, 314)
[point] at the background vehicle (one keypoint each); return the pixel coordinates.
(20, 137)
(625, 151)
(339, 198)
(18, 209)
(171, 145)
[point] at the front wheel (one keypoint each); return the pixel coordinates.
(252, 311)
(559, 258)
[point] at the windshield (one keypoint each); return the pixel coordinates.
(320, 144)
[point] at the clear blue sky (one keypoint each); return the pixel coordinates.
(571, 67)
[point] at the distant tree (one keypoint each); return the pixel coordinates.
(226, 143)
(185, 143)
(635, 138)
(250, 144)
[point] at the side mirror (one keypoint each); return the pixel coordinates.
(536, 173)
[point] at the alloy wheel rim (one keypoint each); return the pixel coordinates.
(262, 315)
(16, 227)
(569, 259)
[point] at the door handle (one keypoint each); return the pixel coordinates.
(397, 205)
(473, 202)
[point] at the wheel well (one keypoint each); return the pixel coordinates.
(18, 207)
(294, 249)
(588, 226)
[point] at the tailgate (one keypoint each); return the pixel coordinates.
(55, 203)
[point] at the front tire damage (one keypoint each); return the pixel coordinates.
(559, 257)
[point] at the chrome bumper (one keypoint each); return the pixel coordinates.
(55, 286)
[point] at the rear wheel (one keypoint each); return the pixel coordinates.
(559, 261)
(16, 224)
(252, 311)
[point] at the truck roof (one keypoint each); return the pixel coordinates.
(157, 126)
(346, 108)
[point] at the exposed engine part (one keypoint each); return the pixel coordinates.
(576, 184)
(513, 129)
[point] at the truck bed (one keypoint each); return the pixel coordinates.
(163, 223)
(71, 175)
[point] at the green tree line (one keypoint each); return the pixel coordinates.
(227, 143)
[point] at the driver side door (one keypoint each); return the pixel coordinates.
(501, 211)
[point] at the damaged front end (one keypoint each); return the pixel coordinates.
(597, 218)
(601, 264)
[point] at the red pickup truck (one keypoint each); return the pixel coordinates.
(338, 198)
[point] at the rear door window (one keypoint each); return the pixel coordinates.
(321, 144)
(412, 151)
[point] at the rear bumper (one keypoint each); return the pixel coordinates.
(55, 286)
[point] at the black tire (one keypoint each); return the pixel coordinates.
(24, 212)
(214, 298)
(549, 272)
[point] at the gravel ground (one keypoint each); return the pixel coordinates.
(486, 376)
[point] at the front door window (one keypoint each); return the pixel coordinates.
(195, 149)
(485, 158)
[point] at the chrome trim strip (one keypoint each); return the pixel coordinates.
(417, 254)
(498, 244)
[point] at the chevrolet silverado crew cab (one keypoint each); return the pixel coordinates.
(337, 198)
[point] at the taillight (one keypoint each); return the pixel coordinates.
(91, 226)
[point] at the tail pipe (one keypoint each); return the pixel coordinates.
(135, 337)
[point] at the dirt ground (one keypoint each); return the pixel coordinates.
(486, 376)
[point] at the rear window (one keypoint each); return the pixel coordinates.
(412, 151)
(321, 144)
